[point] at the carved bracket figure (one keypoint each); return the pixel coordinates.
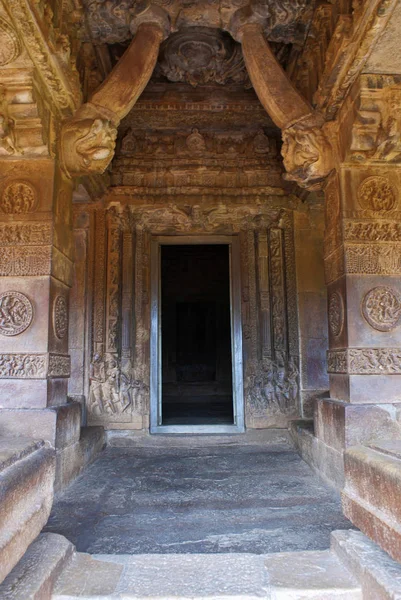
(308, 154)
(87, 140)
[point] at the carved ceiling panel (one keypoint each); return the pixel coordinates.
(284, 20)
(200, 55)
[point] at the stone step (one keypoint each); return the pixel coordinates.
(283, 576)
(378, 574)
(34, 576)
(27, 470)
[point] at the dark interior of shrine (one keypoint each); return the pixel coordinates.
(196, 335)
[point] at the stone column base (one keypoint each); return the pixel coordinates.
(75, 447)
(371, 496)
(338, 426)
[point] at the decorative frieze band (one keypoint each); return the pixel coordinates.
(365, 361)
(372, 231)
(25, 261)
(34, 366)
(381, 258)
(25, 234)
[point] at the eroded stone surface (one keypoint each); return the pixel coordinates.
(226, 498)
(379, 575)
(26, 496)
(34, 576)
(371, 496)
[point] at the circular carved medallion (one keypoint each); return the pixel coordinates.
(16, 313)
(19, 197)
(381, 308)
(9, 44)
(376, 194)
(336, 313)
(60, 317)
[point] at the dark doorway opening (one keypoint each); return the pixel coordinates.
(196, 335)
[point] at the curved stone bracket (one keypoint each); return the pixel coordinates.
(87, 140)
(307, 151)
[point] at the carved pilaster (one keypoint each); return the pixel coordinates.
(362, 270)
(264, 293)
(99, 266)
(113, 288)
(278, 295)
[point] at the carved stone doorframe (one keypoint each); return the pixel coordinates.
(232, 241)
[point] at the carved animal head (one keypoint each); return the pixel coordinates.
(308, 155)
(87, 145)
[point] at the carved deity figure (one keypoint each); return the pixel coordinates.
(307, 153)
(272, 386)
(196, 142)
(7, 145)
(107, 396)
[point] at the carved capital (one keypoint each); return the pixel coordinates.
(273, 17)
(308, 154)
(152, 15)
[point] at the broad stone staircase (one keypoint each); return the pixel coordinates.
(353, 569)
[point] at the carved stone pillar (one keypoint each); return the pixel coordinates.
(36, 272)
(364, 306)
(364, 360)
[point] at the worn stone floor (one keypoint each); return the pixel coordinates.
(209, 497)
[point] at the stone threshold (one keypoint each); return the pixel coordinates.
(129, 438)
(353, 569)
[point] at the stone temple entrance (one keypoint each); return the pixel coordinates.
(268, 128)
(196, 335)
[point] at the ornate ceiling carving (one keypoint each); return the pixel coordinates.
(284, 20)
(200, 55)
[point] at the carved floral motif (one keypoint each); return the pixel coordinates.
(60, 317)
(59, 365)
(381, 308)
(336, 313)
(376, 194)
(25, 260)
(16, 313)
(9, 43)
(19, 197)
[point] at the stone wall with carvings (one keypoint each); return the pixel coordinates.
(116, 279)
